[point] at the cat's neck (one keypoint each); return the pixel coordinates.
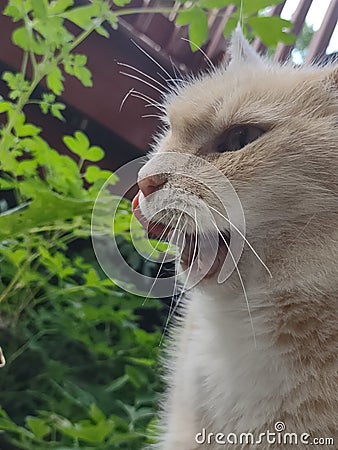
(256, 370)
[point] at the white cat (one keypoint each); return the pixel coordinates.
(272, 130)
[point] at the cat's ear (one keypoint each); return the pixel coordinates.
(241, 50)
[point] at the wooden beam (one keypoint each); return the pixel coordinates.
(323, 36)
(283, 51)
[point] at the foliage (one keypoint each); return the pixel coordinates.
(80, 371)
(302, 43)
(89, 369)
(270, 29)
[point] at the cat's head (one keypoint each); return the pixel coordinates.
(270, 130)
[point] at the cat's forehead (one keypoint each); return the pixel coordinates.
(235, 95)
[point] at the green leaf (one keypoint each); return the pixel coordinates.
(121, 2)
(55, 81)
(22, 38)
(84, 75)
(80, 60)
(39, 9)
(5, 106)
(15, 10)
(134, 375)
(38, 427)
(230, 26)
(118, 383)
(271, 30)
(214, 4)
(94, 154)
(96, 414)
(94, 173)
(48, 98)
(112, 19)
(16, 83)
(18, 256)
(26, 130)
(253, 6)
(198, 26)
(102, 31)
(83, 15)
(59, 6)
(80, 146)
(46, 207)
(85, 431)
(56, 110)
(91, 277)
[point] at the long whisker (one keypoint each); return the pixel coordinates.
(245, 239)
(176, 69)
(147, 104)
(142, 81)
(210, 63)
(189, 272)
(176, 278)
(125, 98)
(160, 268)
(160, 238)
(151, 58)
(157, 116)
(172, 298)
(173, 80)
(142, 73)
(242, 284)
(150, 102)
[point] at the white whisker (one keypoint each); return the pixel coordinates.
(125, 98)
(176, 69)
(158, 116)
(161, 265)
(149, 100)
(142, 81)
(242, 284)
(210, 63)
(150, 57)
(189, 273)
(160, 238)
(172, 298)
(245, 239)
(142, 73)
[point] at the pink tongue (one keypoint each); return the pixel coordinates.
(154, 229)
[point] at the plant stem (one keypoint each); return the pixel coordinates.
(4, 147)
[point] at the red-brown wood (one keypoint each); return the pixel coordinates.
(283, 51)
(322, 37)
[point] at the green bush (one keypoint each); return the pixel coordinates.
(80, 372)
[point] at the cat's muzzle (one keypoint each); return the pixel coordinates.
(196, 256)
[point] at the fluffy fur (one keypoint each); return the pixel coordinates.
(287, 183)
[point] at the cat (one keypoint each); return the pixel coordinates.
(268, 364)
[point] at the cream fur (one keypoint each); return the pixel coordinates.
(287, 182)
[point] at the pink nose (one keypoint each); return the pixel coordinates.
(151, 184)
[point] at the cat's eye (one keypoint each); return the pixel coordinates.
(238, 137)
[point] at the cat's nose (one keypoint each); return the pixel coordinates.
(151, 184)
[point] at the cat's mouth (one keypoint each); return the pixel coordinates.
(196, 255)
(193, 257)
